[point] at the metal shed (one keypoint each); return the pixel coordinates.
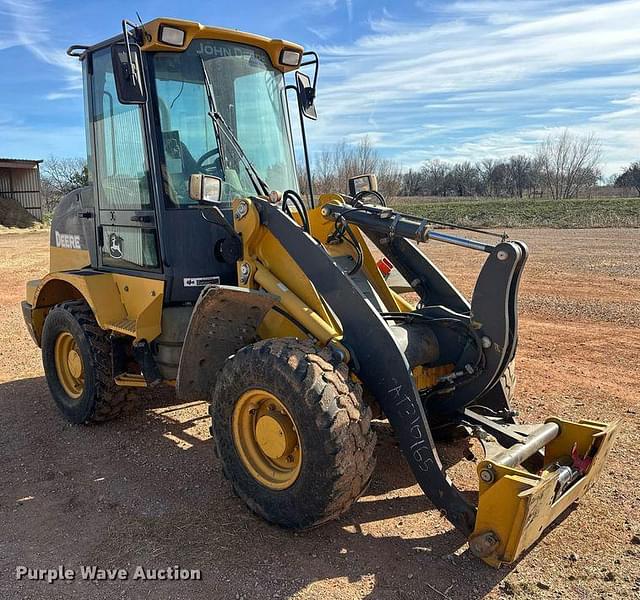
(20, 180)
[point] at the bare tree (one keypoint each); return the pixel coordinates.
(61, 176)
(520, 173)
(569, 163)
(435, 174)
(464, 179)
(494, 176)
(333, 167)
(630, 177)
(412, 183)
(563, 166)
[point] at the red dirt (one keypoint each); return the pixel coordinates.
(148, 490)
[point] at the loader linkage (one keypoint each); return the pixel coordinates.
(515, 504)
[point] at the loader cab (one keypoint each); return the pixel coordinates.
(143, 147)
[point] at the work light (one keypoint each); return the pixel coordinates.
(172, 36)
(290, 58)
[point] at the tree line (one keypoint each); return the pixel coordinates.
(563, 166)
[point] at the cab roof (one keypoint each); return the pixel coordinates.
(194, 30)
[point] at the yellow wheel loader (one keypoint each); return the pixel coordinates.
(191, 260)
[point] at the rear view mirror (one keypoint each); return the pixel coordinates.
(206, 189)
(127, 70)
(363, 183)
(306, 95)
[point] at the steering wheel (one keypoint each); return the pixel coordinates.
(215, 168)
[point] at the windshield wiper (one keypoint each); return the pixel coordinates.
(220, 125)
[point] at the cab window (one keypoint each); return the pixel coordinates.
(123, 172)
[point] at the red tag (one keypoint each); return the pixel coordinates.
(385, 266)
(581, 464)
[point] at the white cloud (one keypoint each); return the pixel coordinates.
(323, 32)
(62, 95)
(349, 4)
(30, 31)
(478, 70)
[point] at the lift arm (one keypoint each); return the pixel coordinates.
(493, 310)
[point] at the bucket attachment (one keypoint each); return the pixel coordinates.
(515, 506)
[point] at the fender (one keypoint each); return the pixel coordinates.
(128, 305)
(224, 319)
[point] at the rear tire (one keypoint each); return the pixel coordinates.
(332, 427)
(93, 396)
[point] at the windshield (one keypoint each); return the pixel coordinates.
(249, 94)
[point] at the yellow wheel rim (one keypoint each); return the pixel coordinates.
(266, 439)
(69, 365)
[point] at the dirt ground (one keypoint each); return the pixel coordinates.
(147, 490)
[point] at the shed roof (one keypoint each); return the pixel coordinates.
(19, 163)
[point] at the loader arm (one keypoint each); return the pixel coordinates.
(531, 473)
(492, 312)
(386, 374)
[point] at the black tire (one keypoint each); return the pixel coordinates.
(332, 421)
(101, 399)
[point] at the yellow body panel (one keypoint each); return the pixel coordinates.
(67, 259)
(270, 267)
(194, 30)
(274, 270)
(126, 304)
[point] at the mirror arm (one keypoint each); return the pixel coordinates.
(126, 24)
(315, 61)
(305, 148)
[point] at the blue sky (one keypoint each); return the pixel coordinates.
(425, 79)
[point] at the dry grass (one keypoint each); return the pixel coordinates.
(574, 214)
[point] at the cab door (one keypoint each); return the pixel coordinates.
(126, 218)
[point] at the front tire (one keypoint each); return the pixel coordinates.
(76, 355)
(292, 432)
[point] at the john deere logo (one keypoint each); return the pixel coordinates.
(115, 246)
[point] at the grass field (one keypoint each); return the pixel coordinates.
(572, 214)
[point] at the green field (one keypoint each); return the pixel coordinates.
(572, 214)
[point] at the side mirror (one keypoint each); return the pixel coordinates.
(206, 189)
(306, 95)
(127, 70)
(363, 183)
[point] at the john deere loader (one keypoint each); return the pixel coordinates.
(192, 260)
